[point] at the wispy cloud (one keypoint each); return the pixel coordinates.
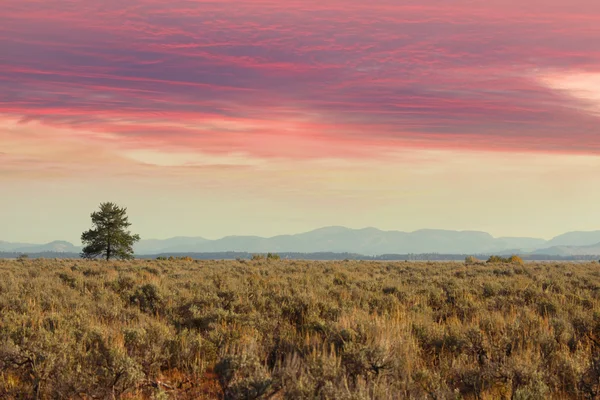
(301, 80)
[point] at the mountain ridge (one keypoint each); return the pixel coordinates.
(367, 241)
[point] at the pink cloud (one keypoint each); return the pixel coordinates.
(337, 79)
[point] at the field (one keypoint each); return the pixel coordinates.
(298, 330)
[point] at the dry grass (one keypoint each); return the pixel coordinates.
(298, 330)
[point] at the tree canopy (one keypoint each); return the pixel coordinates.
(109, 237)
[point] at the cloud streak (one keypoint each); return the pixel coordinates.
(303, 80)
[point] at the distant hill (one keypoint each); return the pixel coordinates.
(575, 239)
(367, 241)
(521, 243)
(7, 246)
(570, 250)
(58, 246)
(176, 244)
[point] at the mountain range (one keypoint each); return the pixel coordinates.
(367, 241)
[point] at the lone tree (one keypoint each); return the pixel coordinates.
(109, 237)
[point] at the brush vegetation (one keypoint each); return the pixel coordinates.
(281, 329)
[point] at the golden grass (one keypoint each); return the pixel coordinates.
(280, 329)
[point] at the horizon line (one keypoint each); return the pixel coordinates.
(323, 228)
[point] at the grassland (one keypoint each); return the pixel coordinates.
(298, 330)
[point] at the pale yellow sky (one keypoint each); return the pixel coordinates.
(53, 180)
(470, 141)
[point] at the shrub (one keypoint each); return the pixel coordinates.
(298, 330)
(273, 257)
(514, 259)
(496, 260)
(471, 260)
(244, 377)
(148, 298)
(177, 258)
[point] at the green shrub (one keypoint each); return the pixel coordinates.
(148, 298)
(244, 377)
(273, 257)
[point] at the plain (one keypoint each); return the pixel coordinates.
(267, 328)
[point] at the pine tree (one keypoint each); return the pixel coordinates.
(109, 238)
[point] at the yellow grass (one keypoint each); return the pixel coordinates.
(280, 329)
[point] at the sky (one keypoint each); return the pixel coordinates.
(264, 117)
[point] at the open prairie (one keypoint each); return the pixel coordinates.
(298, 330)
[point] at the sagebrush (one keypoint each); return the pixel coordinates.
(280, 329)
